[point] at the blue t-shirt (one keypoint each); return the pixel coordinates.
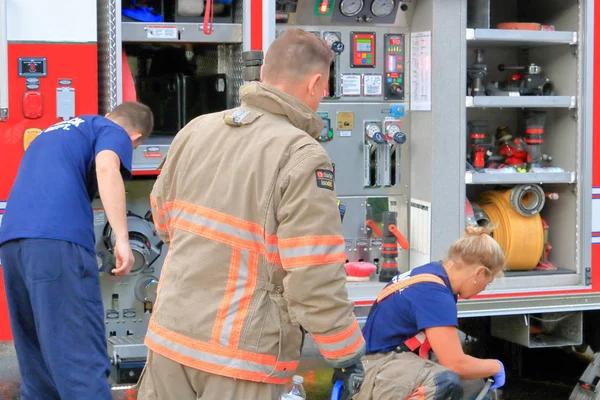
(56, 183)
(405, 313)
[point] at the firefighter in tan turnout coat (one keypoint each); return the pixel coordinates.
(247, 203)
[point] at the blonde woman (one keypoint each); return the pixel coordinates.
(416, 314)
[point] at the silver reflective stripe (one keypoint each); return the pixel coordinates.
(272, 248)
(158, 218)
(306, 251)
(331, 347)
(217, 226)
(240, 286)
(217, 360)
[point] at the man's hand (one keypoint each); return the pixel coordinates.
(352, 378)
(123, 257)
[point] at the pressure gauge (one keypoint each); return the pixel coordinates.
(331, 38)
(373, 132)
(350, 8)
(391, 130)
(382, 8)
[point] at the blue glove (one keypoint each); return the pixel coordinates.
(499, 378)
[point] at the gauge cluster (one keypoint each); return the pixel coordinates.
(368, 11)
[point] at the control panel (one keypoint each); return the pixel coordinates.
(366, 129)
(363, 50)
(326, 134)
(394, 56)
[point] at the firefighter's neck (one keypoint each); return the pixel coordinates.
(459, 274)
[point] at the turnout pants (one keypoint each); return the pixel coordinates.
(406, 376)
(165, 379)
(57, 319)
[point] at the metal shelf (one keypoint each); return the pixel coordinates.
(521, 101)
(509, 37)
(483, 178)
(180, 32)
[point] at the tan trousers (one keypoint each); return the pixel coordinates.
(406, 376)
(165, 379)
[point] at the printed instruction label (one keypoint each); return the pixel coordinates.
(345, 121)
(351, 85)
(373, 85)
(345, 133)
(420, 71)
(161, 32)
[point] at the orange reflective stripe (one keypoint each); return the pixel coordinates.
(220, 227)
(340, 344)
(244, 302)
(213, 358)
(157, 209)
(404, 283)
(313, 260)
(417, 394)
(214, 215)
(416, 341)
(232, 281)
(312, 250)
(158, 224)
(311, 241)
(160, 220)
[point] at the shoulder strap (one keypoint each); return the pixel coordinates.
(404, 283)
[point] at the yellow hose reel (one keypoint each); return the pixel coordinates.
(518, 225)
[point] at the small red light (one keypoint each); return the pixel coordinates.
(324, 7)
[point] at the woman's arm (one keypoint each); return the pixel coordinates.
(448, 349)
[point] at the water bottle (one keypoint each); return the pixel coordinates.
(296, 392)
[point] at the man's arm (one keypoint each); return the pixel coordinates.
(312, 252)
(112, 193)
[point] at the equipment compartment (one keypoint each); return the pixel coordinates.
(529, 121)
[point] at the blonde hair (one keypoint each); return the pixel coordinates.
(477, 247)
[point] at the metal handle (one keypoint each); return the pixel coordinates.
(3, 61)
(485, 390)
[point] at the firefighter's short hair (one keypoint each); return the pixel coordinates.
(134, 116)
(296, 54)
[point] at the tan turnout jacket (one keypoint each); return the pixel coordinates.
(246, 202)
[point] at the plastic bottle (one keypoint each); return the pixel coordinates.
(296, 391)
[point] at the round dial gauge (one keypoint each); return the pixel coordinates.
(351, 7)
(392, 129)
(382, 8)
(373, 130)
(331, 38)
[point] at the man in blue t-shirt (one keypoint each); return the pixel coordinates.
(47, 250)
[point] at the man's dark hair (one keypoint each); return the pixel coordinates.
(134, 116)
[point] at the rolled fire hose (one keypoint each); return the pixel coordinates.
(527, 200)
(521, 237)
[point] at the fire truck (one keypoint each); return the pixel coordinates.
(439, 114)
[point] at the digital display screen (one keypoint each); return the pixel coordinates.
(391, 63)
(395, 41)
(363, 46)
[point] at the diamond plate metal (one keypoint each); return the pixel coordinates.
(107, 54)
(207, 62)
(238, 12)
(230, 63)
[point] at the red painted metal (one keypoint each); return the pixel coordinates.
(74, 61)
